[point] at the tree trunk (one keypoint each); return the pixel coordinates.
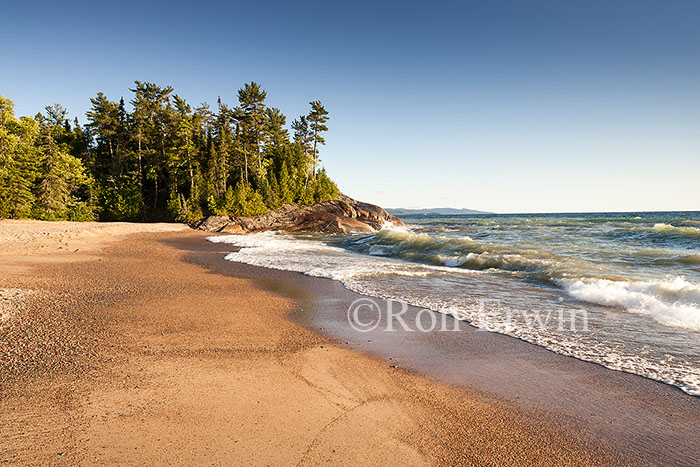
(189, 166)
(143, 203)
(245, 156)
(315, 154)
(189, 163)
(111, 151)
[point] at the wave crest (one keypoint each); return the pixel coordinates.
(457, 252)
(673, 230)
(674, 302)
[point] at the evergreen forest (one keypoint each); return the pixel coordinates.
(158, 158)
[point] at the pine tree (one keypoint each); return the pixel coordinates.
(183, 141)
(317, 119)
(151, 115)
(252, 105)
(103, 118)
(222, 150)
(303, 137)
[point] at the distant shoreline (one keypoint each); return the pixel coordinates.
(433, 211)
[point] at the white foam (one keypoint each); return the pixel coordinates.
(312, 257)
(454, 261)
(668, 228)
(675, 302)
(397, 228)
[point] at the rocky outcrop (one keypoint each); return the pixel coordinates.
(341, 215)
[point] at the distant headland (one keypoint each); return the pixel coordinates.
(434, 211)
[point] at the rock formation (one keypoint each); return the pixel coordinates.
(341, 215)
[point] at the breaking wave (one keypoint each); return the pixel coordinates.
(669, 229)
(455, 252)
(674, 302)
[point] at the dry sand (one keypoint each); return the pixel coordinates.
(124, 353)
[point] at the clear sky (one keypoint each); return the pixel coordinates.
(507, 106)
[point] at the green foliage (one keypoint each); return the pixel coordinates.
(285, 189)
(317, 119)
(182, 209)
(325, 188)
(305, 194)
(248, 202)
(120, 200)
(19, 162)
(163, 160)
(61, 177)
(214, 207)
(80, 211)
(175, 207)
(240, 201)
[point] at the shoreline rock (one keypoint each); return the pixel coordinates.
(339, 216)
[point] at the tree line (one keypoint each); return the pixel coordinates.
(164, 160)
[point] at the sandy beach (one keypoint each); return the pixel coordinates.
(350, 234)
(137, 344)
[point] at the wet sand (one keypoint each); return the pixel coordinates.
(151, 349)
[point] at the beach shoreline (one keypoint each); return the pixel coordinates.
(641, 418)
(154, 349)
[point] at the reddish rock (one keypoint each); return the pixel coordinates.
(342, 215)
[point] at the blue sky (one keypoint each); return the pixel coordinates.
(507, 106)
